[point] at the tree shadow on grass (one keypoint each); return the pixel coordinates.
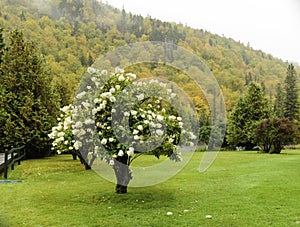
(3, 223)
(64, 158)
(134, 196)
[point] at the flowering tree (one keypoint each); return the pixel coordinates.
(63, 139)
(124, 119)
(63, 135)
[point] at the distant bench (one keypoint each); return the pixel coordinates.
(16, 154)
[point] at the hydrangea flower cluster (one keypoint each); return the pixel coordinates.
(63, 139)
(136, 117)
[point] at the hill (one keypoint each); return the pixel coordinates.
(72, 34)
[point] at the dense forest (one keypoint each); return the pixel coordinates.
(72, 34)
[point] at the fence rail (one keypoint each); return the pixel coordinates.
(16, 154)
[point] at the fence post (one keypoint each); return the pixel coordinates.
(19, 155)
(5, 163)
(12, 159)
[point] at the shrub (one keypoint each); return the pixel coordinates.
(274, 134)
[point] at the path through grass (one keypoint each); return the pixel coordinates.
(240, 189)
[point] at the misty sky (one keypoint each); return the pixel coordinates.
(272, 26)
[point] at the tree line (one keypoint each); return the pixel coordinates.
(39, 78)
(29, 106)
(257, 121)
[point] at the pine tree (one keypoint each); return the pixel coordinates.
(248, 112)
(28, 104)
(291, 104)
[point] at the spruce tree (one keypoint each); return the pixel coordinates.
(29, 106)
(291, 104)
(246, 115)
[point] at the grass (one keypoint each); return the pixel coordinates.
(239, 189)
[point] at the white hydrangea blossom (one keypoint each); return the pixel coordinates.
(130, 151)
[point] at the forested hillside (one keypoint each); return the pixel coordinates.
(72, 34)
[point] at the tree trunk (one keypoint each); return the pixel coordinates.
(83, 161)
(122, 173)
(92, 160)
(74, 155)
(276, 149)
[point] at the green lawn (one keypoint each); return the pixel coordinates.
(239, 189)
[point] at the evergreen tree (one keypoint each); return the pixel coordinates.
(2, 91)
(28, 105)
(90, 60)
(279, 102)
(263, 87)
(122, 24)
(248, 78)
(248, 112)
(2, 45)
(205, 128)
(291, 110)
